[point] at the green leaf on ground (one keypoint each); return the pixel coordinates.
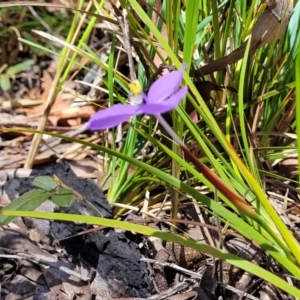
(46, 183)
(63, 197)
(21, 67)
(29, 201)
(4, 82)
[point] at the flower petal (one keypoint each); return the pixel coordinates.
(112, 116)
(165, 86)
(165, 106)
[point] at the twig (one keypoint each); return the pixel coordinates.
(178, 268)
(43, 23)
(237, 291)
(127, 45)
(18, 124)
(42, 260)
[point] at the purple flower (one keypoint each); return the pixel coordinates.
(163, 96)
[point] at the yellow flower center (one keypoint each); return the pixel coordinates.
(135, 87)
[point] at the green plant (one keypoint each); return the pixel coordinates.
(8, 73)
(257, 103)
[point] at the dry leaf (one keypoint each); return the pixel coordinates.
(289, 168)
(206, 87)
(61, 113)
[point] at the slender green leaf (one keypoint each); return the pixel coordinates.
(201, 247)
(28, 201)
(21, 67)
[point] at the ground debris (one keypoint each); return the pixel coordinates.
(97, 265)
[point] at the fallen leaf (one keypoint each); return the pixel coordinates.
(289, 168)
(61, 113)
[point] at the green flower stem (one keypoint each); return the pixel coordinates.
(169, 130)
